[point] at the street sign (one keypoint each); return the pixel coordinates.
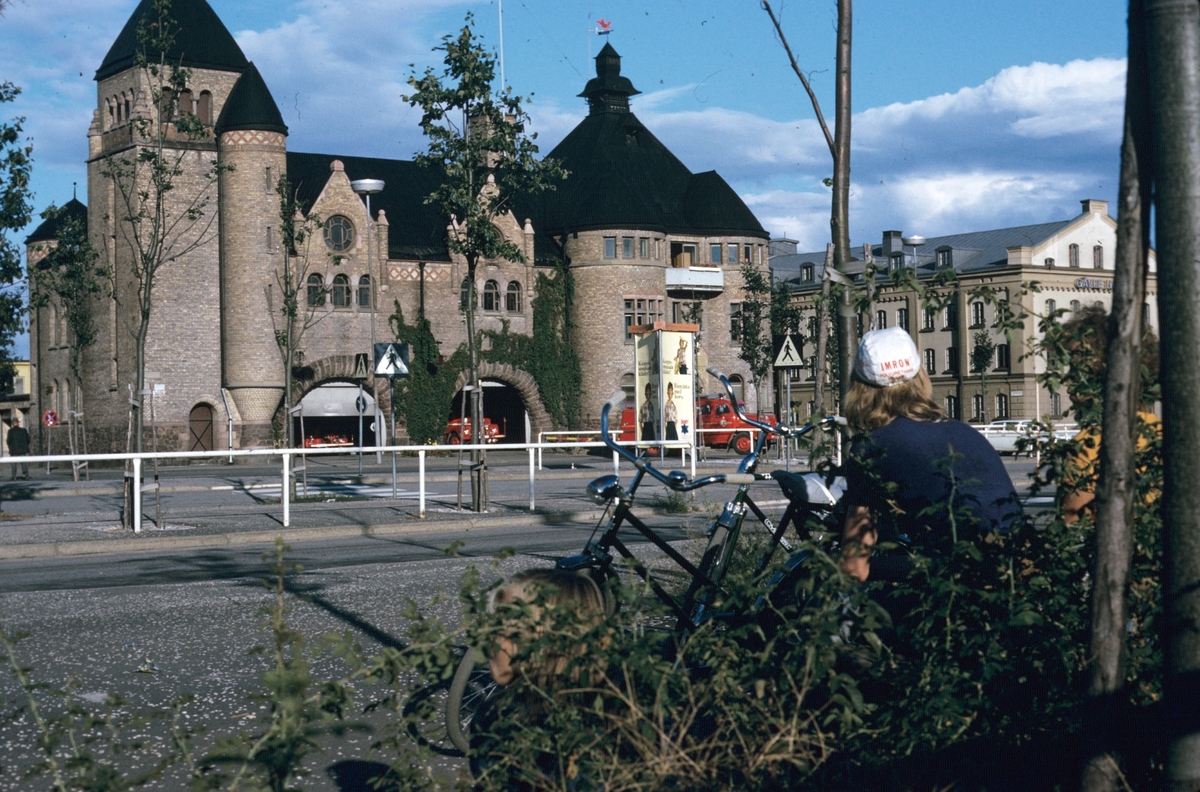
(50, 418)
(361, 372)
(787, 352)
(361, 404)
(391, 360)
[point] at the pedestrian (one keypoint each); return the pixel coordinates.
(18, 445)
(907, 458)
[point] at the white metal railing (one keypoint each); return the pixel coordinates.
(288, 470)
(542, 443)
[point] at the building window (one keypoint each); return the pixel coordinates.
(1003, 357)
(657, 249)
(945, 258)
(896, 263)
(512, 298)
(806, 273)
(643, 247)
(341, 292)
(950, 316)
(491, 296)
(464, 294)
(610, 247)
(1073, 256)
(1049, 263)
(1074, 307)
(1051, 307)
(204, 108)
(364, 291)
(952, 407)
(1098, 257)
(731, 253)
(1001, 405)
(735, 321)
(627, 247)
(745, 254)
(977, 319)
(902, 318)
(714, 253)
(739, 387)
(812, 366)
(1055, 405)
(339, 234)
(952, 361)
(316, 290)
(977, 413)
(642, 311)
(927, 318)
(881, 320)
(930, 361)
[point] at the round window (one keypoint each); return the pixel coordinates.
(339, 234)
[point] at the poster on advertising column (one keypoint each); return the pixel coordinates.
(664, 384)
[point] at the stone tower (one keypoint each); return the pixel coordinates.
(251, 140)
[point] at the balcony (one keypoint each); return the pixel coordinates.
(695, 281)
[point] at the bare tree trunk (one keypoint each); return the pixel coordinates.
(1173, 46)
(478, 435)
(821, 367)
(839, 219)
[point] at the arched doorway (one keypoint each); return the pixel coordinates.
(200, 428)
(502, 405)
(331, 416)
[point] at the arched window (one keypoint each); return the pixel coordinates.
(464, 298)
(339, 234)
(977, 413)
(204, 108)
(1051, 307)
(739, 386)
(512, 298)
(316, 290)
(1098, 257)
(491, 296)
(1073, 256)
(341, 291)
(1049, 263)
(128, 107)
(364, 291)
(1001, 405)
(185, 103)
(1074, 307)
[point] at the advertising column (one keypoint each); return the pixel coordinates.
(664, 385)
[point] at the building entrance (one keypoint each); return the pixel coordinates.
(502, 405)
(331, 417)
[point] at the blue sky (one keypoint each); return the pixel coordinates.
(967, 114)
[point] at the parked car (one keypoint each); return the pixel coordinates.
(1005, 434)
(327, 441)
(458, 432)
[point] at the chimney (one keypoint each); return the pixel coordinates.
(1093, 206)
(892, 243)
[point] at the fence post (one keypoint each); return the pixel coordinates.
(421, 480)
(137, 494)
(286, 492)
(531, 479)
(539, 450)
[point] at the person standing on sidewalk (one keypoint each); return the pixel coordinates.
(18, 445)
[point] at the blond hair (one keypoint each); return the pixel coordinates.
(869, 407)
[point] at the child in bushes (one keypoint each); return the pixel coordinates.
(545, 616)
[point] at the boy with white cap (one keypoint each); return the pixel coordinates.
(899, 467)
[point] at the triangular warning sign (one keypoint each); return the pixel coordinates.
(788, 354)
(360, 366)
(390, 363)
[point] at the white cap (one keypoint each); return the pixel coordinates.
(887, 357)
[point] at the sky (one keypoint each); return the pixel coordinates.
(967, 115)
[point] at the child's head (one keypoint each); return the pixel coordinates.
(670, 391)
(549, 593)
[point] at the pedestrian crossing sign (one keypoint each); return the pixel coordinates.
(360, 366)
(391, 360)
(787, 352)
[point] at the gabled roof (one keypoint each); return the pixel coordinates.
(201, 42)
(416, 230)
(48, 229)
(250, 106)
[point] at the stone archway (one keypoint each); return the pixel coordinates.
(539, 419)
(338, 368)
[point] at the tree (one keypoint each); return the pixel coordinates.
(69, 277)
(16, 210)
(160, 217)
(785, 320)
(478, 142)
(298, 299)
(839, 150)
(981, 360)
(756, 339)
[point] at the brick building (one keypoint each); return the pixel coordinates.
(645, 238)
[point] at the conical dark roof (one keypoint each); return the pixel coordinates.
(201, 40)
(49, 227)
(608, 91)
(250, 106)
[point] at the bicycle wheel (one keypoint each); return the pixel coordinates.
(425, 722)
(471, 687)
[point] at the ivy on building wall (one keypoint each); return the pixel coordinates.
(424, 400)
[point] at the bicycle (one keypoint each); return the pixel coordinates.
(811, 499)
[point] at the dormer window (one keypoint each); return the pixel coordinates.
(806, 273)
(945, 258)
(896, 262)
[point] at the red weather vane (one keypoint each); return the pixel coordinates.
(604, 27)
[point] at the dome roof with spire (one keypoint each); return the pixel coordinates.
(201, 40)
(250, 106)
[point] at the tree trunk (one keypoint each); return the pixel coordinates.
(839, 219)
(1173, 47)
(1117, 488)
(821, 367)
(478, 435)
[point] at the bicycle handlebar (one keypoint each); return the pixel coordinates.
(782, 431)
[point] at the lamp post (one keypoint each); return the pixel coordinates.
(367, 188)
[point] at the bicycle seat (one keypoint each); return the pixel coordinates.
(809, 487)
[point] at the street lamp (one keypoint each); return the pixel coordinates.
(367, 188)
(915, 241)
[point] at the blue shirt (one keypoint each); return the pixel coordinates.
(905, 467)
